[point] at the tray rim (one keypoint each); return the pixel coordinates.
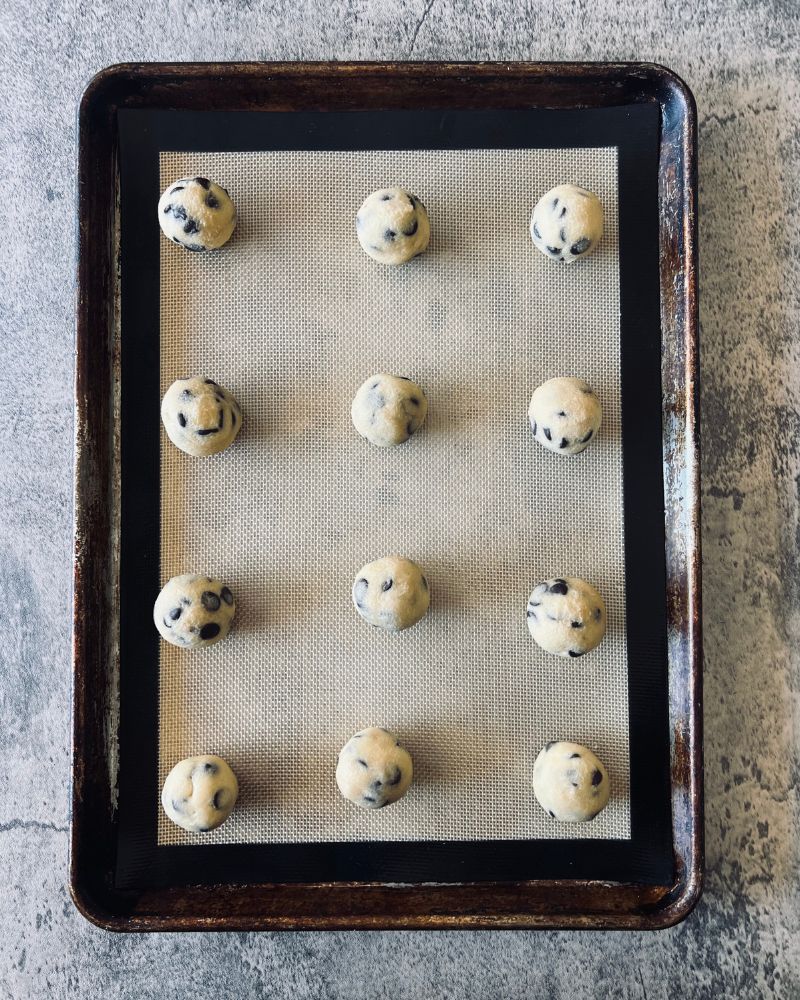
(559, 903)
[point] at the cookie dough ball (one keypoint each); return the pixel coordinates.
(391, 593)
(200, 793)
(373, 769)
(565, 415)
(392, 226)
(567, 223)
(388, 409)
(193, 611)
(566, 616)
(569, 782)
(199, 416)
(197, 214)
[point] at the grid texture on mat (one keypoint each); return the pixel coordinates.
(291, 317)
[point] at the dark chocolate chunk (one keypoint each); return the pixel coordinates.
(575, 654)
(563, 443)
(226, 595)
(175, 613)
(574, 784)
(552, 813)
(181, 419)
(558, 587)
(536, 232)
(412, 230)
(208, 430)
(555, 251)
(581, 246)
(211, 201)
(221, 419)
(547, 434)
(576, 624)
(397, 776)
(218, 797)
(192, 226)
(233, 417)
(179, 212)
(210, 767)
(210, 381)
(210, 631)
(563, 213)
(587, 438)
(389, 235)
(167, 209)
(573, 755)
(387, 585)
(562, 413)
(210, 600)
(204, 182)
(597, 777)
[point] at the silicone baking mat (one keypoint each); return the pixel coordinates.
(291, 317)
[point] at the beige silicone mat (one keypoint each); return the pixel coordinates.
(292, 316)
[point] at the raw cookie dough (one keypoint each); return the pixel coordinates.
(200, 793)
(193, 611)
(197, 214)
(199, 416)
(565, 415)
(388, 409)
(373, 769)
(391, 593)
(392, 226)
(566, 616)
(569, 782)
(567, 223)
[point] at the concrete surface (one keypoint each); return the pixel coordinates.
(743, 62)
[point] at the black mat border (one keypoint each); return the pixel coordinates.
(647, 857)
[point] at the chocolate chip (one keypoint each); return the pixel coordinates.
(362, 762)
(410, 428)
(581, 246)
(210, 381)
(532, 614)
(598, 614)
(412, 200)
(167, 209)
(563, 443)
(397, 776)
(534, 428)
(555, 202)
(414, 400)
(211, 201)
(221, 423)
(387, 197)
(547, 434)
(563, 213)
(558, 587)
(233, 417)
(208, 430)
(555, 251)
(536, 232)
(412, 230)
(389, 235)
(210, 600)
(387, 585)
(194, 247)
(179, 187)
(218, 797)
(561, 413)
(574, 654)
(210, 631)
(181, 419)
(587, 438)
(203, 182)
(597, 777)
(178, 212)
(192, 226)
(187, 394)
(167, 624)
(175, 613)
(369, 798)
(210, 768)
(574, 784)
(552, 813)
(576, 624)
(226, 595)
(572, 756)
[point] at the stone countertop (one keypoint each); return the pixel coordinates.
(742, 60)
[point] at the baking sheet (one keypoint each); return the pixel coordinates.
(292, 316)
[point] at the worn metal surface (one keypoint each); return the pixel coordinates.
(741, 60)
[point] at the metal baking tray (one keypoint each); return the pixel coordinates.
(650, 114)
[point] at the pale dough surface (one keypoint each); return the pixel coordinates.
(567, 223)
(566, 616)
(391, 593)
(373, 770)
(199, 416)
(199, 793)
(197, 214)
(392, 226)
(565, 415)
(388, 409)
(193, 611)
(570, 782)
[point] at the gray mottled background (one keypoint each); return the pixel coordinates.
(741, 59)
